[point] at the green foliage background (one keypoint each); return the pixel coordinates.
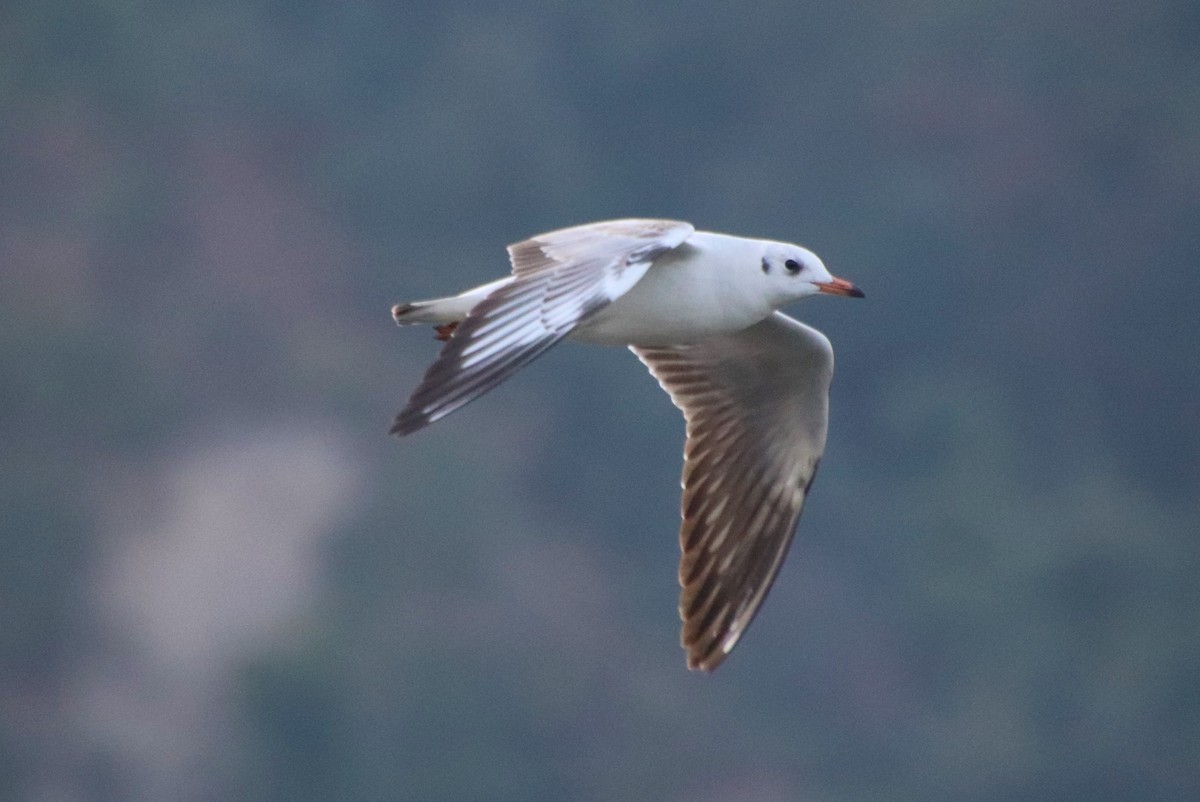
(221, 580)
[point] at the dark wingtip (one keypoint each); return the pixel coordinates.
(408, 422)
(706, 661)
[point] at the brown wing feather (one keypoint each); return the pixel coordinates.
(756, 406)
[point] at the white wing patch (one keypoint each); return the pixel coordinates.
(559, 280)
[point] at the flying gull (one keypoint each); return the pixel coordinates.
(701, 311)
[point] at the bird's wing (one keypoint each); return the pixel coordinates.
(757, 409)
(559, 280)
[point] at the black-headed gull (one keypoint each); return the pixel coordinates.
(699, 309)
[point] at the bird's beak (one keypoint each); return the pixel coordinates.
(839, 286)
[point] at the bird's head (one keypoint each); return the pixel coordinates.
(796, 272)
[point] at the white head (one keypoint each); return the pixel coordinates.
(795, 272)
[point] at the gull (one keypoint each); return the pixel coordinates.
(700, 310)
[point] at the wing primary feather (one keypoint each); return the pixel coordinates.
(559, 280)
(755, 403)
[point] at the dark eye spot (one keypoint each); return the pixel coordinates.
(792, 266)
(766, 265)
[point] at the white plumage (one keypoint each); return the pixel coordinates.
(699, 309)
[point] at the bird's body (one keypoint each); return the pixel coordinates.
(702, 299)
(699, 309)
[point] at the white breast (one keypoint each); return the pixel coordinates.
(709, 285)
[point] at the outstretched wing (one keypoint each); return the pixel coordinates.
(757, 410)
(559, 280)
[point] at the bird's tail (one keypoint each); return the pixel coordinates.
(444, 311)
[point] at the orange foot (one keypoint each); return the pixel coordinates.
(445, 331)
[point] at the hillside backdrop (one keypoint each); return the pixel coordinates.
(220, 579)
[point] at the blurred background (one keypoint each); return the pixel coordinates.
(220, 579)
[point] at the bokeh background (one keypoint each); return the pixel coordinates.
(220, 579)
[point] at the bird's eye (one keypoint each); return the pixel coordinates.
(792, 266)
